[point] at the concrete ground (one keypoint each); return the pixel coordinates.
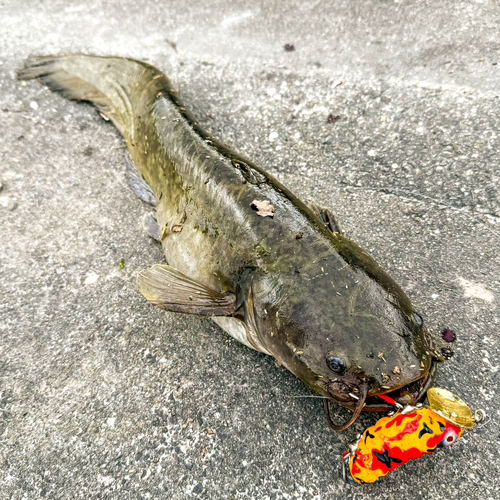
(102, 396)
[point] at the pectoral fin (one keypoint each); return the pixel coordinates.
(325, 216)
(171, 290)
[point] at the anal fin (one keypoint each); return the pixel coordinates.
(171, 290)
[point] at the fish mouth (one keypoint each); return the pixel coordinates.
(409, 394)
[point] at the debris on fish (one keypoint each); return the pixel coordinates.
(263, 208)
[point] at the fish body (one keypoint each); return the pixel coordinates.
(287, 284)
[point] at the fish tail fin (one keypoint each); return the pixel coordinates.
(106, 82)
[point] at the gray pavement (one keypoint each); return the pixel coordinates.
(104, 396)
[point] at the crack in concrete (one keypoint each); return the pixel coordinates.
(402, 193)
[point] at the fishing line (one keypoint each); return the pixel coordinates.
(306, 396)
(276, 392)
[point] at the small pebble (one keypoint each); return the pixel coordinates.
(449, 335)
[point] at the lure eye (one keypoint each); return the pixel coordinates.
(335, 364)
(448, 439)
(418, 319)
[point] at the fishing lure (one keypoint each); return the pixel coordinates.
(409, 434)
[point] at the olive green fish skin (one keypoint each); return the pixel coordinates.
(307, 292)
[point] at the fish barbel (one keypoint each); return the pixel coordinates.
(274, 273)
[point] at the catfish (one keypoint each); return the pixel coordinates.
(275, 273)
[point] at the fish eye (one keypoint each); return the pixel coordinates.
(418, 319)
(335, 364)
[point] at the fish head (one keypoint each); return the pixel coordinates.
(346, 333)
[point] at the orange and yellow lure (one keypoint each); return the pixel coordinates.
(409, 434)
